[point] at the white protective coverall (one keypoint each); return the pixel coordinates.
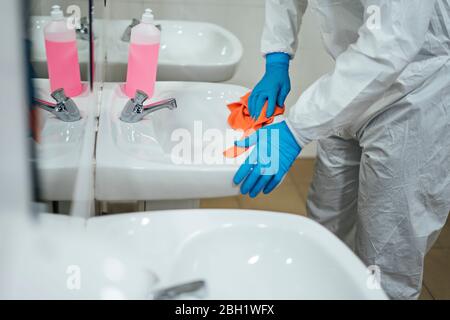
(382, 121)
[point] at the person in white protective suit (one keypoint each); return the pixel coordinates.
(382, 122)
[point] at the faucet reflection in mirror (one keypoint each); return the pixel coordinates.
(64, 109)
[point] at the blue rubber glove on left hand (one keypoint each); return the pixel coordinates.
(275, 151)
(273, 87)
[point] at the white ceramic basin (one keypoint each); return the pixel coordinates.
(190, 51)
(56, 258)
(59, 146)
(241, 254)
(170, 154)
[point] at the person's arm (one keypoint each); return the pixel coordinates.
(282, 25)
(278, 45)
(363, 72)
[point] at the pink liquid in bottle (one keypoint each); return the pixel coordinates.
(62, 54)
(143, 57)
(142, 67)
(63, 67)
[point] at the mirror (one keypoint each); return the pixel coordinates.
(61, 41)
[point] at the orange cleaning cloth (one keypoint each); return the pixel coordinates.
(240, 119)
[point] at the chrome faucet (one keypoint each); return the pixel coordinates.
(135, 110)
(126, 36)
(127, 33)
(83, 29)
(194, 288)
(64, 109)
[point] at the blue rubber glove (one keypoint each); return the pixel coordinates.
(275, 151)
(274, 86)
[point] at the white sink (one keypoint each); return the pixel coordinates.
(140, 161)
(190, 51)
(59, 146)
(241, 254)
(56, 258)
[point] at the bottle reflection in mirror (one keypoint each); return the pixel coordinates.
(62, 54)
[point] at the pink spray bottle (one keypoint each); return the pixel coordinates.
(62, 54)
(143, 56)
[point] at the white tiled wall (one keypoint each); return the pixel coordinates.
(245, 18)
